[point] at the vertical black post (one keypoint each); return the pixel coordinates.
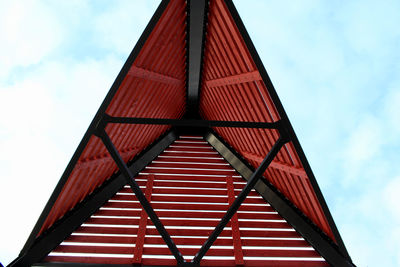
(196, 30)
(140, 196)
(239, 200)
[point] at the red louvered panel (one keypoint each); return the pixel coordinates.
(154, 88)
(189, 208)
(232, 90)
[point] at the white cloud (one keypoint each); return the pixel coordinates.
(45, 116)
(48, 106)
(391, 200)
(391, 195)
(29, 32)
(118, 30)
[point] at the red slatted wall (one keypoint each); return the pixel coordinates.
(153, 88)
(190, 187)
(232, 89)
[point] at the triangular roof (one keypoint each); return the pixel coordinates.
(193, 66)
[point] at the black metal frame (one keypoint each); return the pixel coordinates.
(101, 133)
(197, 15)
(194, 123)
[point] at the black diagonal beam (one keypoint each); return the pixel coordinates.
(321, 243)
(72, 220)
(196, 13)
(140, 196)
(239, 199)
(194, 123)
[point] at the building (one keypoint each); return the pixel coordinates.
(190, 160)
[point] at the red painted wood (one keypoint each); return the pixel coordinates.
(154, 76)
(234, 79)
(237, 244)
(138, 252)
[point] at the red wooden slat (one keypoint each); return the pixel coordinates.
(188, 165)
(80, 259)
(185, 206)
(177, 158)
(187, 251)
(93, 249)
(237, 244)
(280, 253)
(189, 214)
(102, 239)
(138, 252)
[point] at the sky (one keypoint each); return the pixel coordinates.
(334, 64)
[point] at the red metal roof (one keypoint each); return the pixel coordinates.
(154, 88)
(154, 84)
(232, 89)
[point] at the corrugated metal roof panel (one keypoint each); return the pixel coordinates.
(153, 88)
(232, 89)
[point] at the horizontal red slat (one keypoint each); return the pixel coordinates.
(188, 214)
(186, 222)
(199, 145)
(172, 262)
(184, 206)
(94, 249)
(274, 243)
(196, 150)
(80, 259)
(188, 177)
(187, 251)
(183, 158)
(176, 153)
(194, 166)
(149, 231)
(190, 191)
(101, 239)
(280, 253)
(189, 171)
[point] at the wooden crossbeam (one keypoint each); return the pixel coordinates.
(277, 165)
(154, 76)
(103, 159)
(235, 79)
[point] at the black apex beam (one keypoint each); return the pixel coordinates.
(194, 123)
(195, 45)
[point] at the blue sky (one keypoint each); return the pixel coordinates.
(334, 64)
